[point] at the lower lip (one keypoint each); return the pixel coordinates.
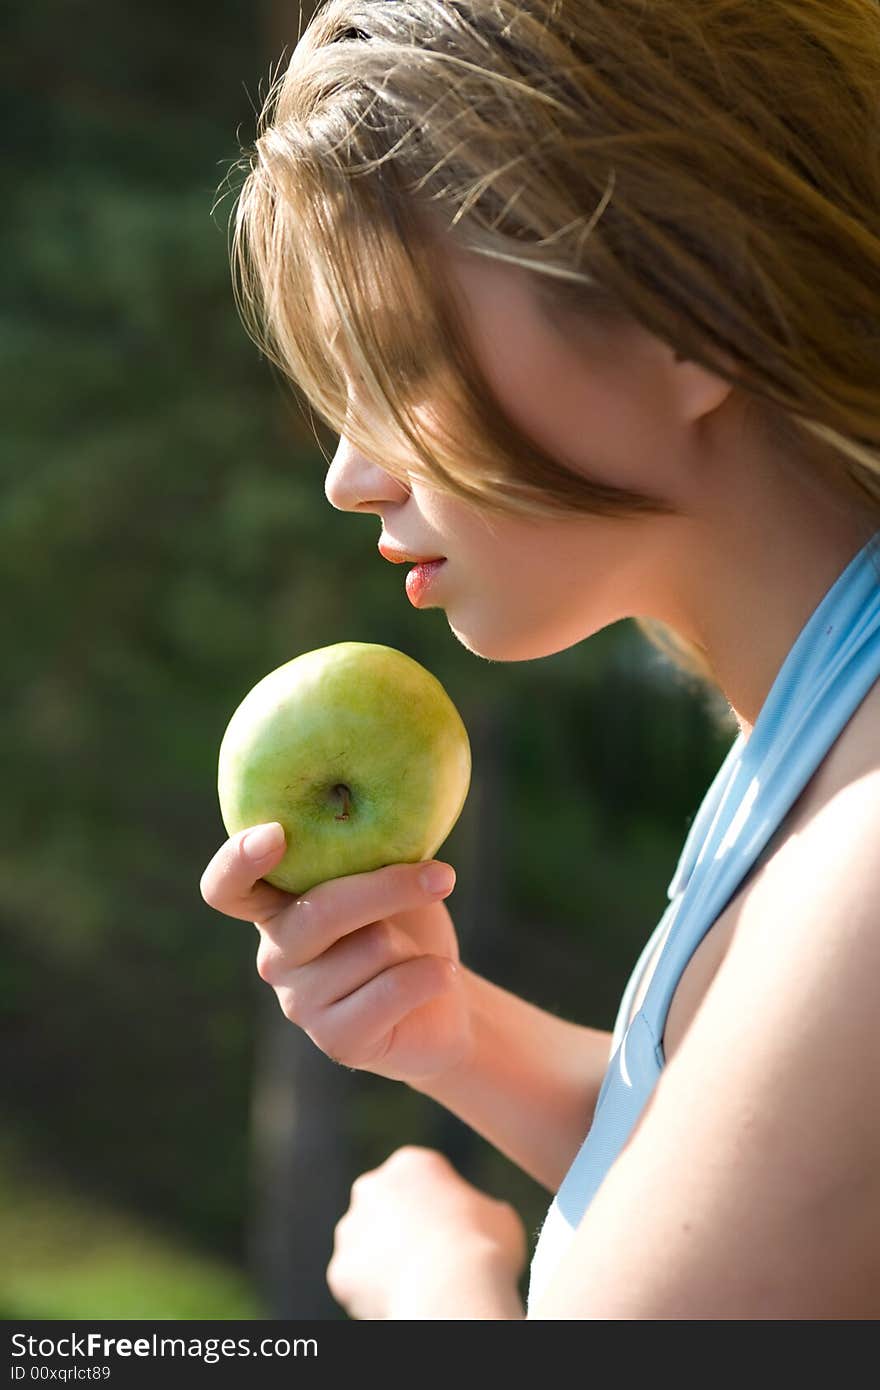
(420, 579)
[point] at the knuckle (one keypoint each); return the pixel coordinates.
(362, 1183)
(309, 915)
(335, 1276)
(409, 1154)
(332, 1047)
(208, 889)
(287, 999)
(339, 1057)
(269, 961)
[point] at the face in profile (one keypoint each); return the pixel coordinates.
(612, 404)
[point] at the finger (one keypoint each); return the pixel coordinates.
(232, 882)
(358, 1030)
(311, 924)
(345, 966)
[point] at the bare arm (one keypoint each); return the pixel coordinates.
(750, 1187)
(529, 1083)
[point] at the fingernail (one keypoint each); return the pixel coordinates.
(260, 843)
(438, 878)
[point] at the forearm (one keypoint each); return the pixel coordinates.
(530, 1082)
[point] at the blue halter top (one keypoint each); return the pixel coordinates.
(827, 673)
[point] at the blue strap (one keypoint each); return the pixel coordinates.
(827, 673)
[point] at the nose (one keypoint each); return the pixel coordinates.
(355, 484)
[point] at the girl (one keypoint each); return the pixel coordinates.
(590, 292)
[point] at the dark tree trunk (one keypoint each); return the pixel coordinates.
(301, 1166)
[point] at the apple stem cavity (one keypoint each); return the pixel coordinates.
(344, 792)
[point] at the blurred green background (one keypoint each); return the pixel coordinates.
(171, 1145)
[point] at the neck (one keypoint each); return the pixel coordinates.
(754, 581)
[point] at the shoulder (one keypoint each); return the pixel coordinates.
(823, 866)
(852, 759)
(750, 1186)
(828, 868)
(828, 839)
(807, 935)
(822, 884)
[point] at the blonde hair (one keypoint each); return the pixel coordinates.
(707, 168)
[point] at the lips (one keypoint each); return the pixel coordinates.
(404, 557)
(420, 581)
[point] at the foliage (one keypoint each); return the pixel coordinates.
(164, 542)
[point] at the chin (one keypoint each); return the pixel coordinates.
(511, 646)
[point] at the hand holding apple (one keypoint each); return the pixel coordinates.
(357, 751)
(365, 962)
(367, 966)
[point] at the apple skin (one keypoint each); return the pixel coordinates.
(358, 751)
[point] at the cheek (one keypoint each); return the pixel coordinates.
(526, 585)
(606, 421)
(468, 534)
(572, 579)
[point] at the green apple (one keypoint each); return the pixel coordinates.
(360, 754)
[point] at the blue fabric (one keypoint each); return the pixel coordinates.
(827, 673)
